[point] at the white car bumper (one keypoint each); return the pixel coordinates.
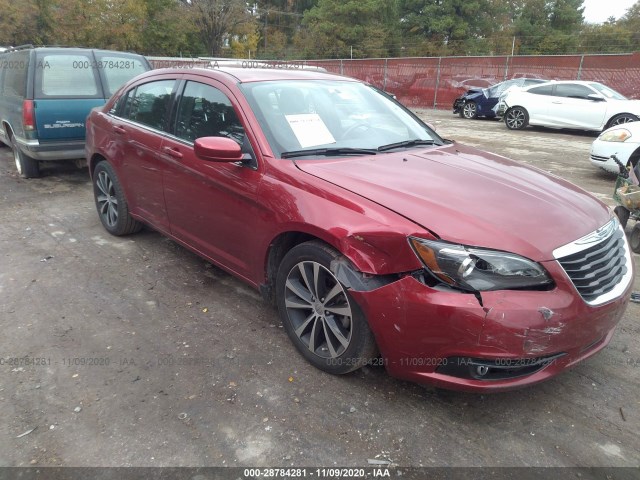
(601, 154)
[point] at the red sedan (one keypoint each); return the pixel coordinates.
(379, 241)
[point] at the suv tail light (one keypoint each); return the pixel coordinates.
(28, 118)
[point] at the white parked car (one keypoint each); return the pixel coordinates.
(568, 104)
(621, 140)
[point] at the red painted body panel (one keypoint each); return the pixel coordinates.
(417, 328)
(366, 208)
(467, 196)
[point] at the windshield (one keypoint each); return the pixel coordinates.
(608, 92)
(314, 115)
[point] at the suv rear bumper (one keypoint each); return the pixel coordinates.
(51, 151)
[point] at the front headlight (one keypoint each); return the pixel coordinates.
(616, 135)
(477, 269)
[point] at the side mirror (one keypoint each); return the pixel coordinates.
(217, 149)
(596, 97)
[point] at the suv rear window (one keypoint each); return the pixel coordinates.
(66, 75)
(118, 70)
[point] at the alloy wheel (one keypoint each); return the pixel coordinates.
(319, 310)
(469, 110)
(515, 118)
(106, 199)
(623, 119)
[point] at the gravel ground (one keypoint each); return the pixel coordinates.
(146, 355)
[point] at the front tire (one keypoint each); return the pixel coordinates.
(516, 118)
(27, 167)
(621, 119)
(622, 214)
(322, 320)
(110, 202)
(469, 110)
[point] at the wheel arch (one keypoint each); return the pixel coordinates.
(7, 129)
(609, 125)
(92, 162)
(355, 267)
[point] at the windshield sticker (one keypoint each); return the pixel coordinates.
(310, 130)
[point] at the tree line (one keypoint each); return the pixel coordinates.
(308, 29)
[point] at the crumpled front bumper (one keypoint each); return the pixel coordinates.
(458, 104)
(419, 329)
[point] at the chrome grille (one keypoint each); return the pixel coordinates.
(599, 265)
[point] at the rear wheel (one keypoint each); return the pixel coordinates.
(110, 202)
(469, 110)
(27, 167)
(322, 320)
(622, 118)
(516, 118)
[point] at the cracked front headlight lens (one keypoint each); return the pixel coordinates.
(477, 269)
(617, 135)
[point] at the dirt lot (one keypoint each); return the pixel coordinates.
(148, 356)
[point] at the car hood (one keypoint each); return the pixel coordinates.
(473, 93)
(471, 197)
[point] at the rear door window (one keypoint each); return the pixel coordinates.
(117, 70)
(68, 75)
(148, 103)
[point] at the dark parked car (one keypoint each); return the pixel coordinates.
(46, 94)
(479, 102)
(378, 241)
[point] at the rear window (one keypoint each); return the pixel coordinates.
(67, 75)
(544, 90)
(573, 90)
(118, 70)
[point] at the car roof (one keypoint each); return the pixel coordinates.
(246, 75)
(563, 82)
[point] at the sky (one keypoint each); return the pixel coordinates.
(598, 11)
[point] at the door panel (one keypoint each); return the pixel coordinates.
(212, 206)
(139, 137)
(571, 108)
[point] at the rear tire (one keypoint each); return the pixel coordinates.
(322, 320)
(110, 202)
(27, 167)
(516, 118)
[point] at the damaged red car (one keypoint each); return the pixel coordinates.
(378, 241)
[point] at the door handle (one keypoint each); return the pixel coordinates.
(119, 130)
(557, 102)
(172, 151)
